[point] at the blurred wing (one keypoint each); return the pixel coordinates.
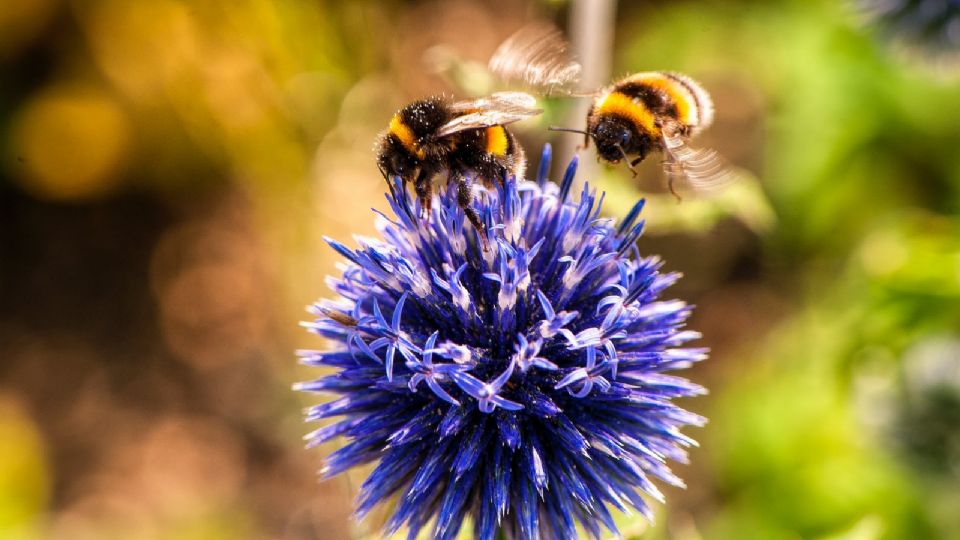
(704, 169)
(538, 56)
(497, 109)
(505, 101)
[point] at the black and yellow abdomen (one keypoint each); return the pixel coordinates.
(646, 99)
(497, 140)
(669, 95)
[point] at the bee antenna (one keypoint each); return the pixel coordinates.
(571, 130)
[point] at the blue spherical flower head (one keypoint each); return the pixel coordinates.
(524, 385)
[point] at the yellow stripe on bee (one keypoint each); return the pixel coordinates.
(623, 105)
(405, 135)
(682, 97)
(497, 142)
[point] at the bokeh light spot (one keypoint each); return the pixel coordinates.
(24, 485)
(883, 254)
(69, 143)
(145, 48)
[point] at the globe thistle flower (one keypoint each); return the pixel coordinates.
(524, 385)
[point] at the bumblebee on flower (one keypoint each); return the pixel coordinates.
(524, 385)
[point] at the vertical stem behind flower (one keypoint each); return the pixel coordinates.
(591, 26)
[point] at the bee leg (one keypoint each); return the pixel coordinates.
(465, 200)
(586, 133)
(673, 170)
(424, 189)
(581, 147)
(673, 191)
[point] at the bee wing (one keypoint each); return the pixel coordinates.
(538, 56)
(704, 169)
(497, 109)
(505, 101)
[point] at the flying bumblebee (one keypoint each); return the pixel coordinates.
(657, 110)
(432, 136)
(639, 114)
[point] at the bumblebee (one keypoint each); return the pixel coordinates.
(641, 113)
(656, 111)
(466, 140)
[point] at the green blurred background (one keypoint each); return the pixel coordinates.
(167, 169)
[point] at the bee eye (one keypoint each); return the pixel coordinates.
(625, 138)
(399, 165)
